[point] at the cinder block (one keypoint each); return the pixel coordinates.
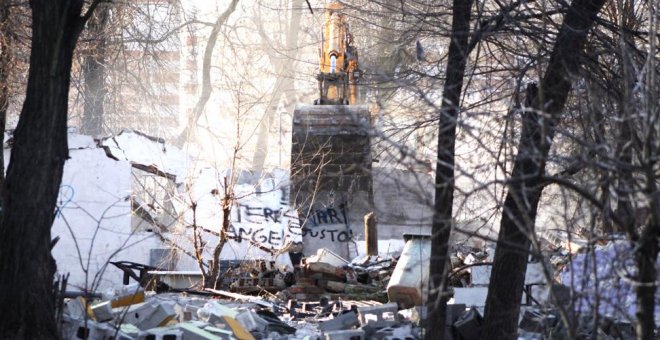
(133, 314)
(163, 313)
(162, 333)
(352, 334)
(340, 322)
(103, 311)
(147, 315)
(379, 316)
(469, 325)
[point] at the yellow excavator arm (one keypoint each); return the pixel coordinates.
(338, 67)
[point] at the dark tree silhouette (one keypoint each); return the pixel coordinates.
(444, 175)
(526, 183)
(35, 172)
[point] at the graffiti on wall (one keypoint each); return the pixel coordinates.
(265, 218)
(326, 223)
(63, 199)
(272, 222)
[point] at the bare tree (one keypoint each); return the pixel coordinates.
(444, 176)
(525, 186)
(35, 172)
(206, 74)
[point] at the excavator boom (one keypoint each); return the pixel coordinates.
(338, 67)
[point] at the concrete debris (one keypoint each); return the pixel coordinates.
(468, 326)
(340, 322)
(536, 321)
(326, 273)
(327, 297)
(103, 311)
(409, 280)
(379, 316)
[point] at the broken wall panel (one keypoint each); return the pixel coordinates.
(93, 218)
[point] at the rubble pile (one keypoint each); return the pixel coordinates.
(370, 297)
(256, 276)
(170, 316)
(134, 314)
(365, 278)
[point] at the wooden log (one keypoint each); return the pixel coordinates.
(371, 233)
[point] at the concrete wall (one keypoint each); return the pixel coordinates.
(331, 183)
(93, 221)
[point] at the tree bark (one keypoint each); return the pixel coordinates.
(34, 175)
(94, 71)
(444, 174)
(646, 257)
(525, 186)
(5, 70)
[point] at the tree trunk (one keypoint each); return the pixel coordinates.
(5, 69)
(93, 69)
(444, 174)
(646, 257)
(34, 175)
(525, 186)
(207, 88)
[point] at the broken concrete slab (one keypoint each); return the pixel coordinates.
(340, 322)
(468, 326)
(103, 311)
(146, 315)
(536, 321)
(471, 296)
(408, 284)
(237, 328)
(221, 332)
(75, 309)
(324, 255)
(328, 269)
(252, 321)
